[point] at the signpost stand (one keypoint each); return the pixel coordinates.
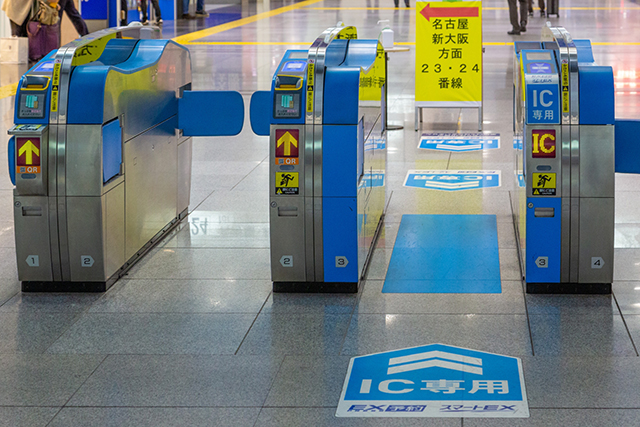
(448, 56)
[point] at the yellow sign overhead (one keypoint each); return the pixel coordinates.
(449, 51)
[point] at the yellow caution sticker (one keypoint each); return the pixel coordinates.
(309, 100)
(347, 33)
(91, 52)
(310, 76)
(565, 88)
(544, 184)
(287, 183)
(55, 86)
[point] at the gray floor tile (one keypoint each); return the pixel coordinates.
(310, 303)
(565, 418)
(7, 235)
(580, 335)
(626, 264)
(204, 232)
(510, 301)
(571, 304)
(13, 416)
(156, 417)
(296, 334)
(8, 289)
(633, 324)
(325, 417)
(220, 264)
(309, 381)
(50, 302)
(154, 333)
(627, 235)
(506, 236)
(185, 296)
(509, 265)
(179, 381)
(379, 264)
(502, 334)
(235, 206)
(42, 380)
(582, 382)
(627, 295)
(32, 331)
(8, 266)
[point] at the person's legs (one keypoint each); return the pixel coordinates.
(156, 7)
(541, 6)
(200, 9)
(513, 17)
(530, 7)
(75, 18)
(18, 30)
(143, 10)
(124, 12)
(523, 15)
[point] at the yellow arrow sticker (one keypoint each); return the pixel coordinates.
(288, 141)
(30, 150)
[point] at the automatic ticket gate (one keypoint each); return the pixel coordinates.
(327, 164)
(564, 116)
(101, 155)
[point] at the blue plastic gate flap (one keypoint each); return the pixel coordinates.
(627, 146)
(260, 110)
(111, 150)
(210, 113)
(11, 153)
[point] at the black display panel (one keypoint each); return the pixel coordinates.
(31, 106)
(287, 105)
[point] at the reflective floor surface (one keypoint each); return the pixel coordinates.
(193, 336)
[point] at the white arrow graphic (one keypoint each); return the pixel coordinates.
(451, 361)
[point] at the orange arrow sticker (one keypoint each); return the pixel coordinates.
(28, 155)
(287, 142)
(449, 12)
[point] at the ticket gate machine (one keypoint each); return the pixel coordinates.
(327, 164)
(101, 155)
(564, 116)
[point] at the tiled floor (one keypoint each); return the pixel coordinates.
(193, 336)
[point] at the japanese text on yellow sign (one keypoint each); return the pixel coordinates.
(372, 81)
(55, 86)
(449, 51)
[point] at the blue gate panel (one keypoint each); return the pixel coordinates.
(627, 146)
(340, 239)
(597, 95)
(543, 241)
(340, 161)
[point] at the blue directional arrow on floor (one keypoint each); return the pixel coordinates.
(452, 180)
(434, 380)
(459, 142)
